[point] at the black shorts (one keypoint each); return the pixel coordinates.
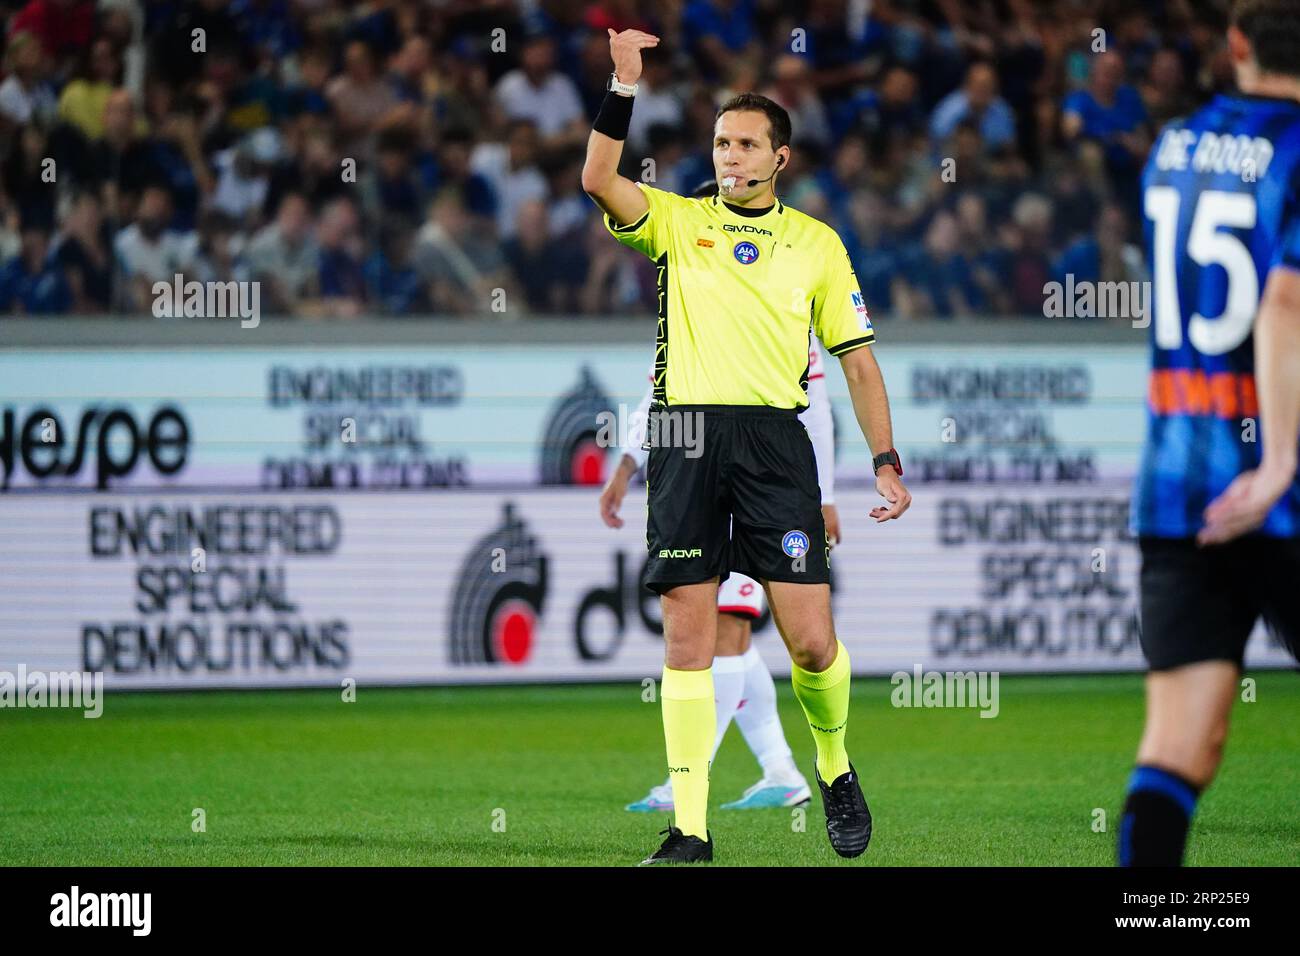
(740, 493)
(1200, 604)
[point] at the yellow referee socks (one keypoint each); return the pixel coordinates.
(690, 723)
(824, 698)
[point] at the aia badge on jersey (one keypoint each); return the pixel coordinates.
(860, 306)
(745, 252)
(795, 543)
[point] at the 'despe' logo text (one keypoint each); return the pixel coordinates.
(107, 443)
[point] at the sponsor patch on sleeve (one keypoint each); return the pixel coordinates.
(860, 307)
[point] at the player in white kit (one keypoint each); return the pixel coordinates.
(743, 686)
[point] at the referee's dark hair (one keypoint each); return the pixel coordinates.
(1273, 29)
(778, 119)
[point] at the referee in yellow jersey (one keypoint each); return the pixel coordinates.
(743, 281)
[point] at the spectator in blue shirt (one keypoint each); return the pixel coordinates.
(268, 25)
(391, 189)
(391, 277)
(450, 170)
(407, 70)
(307, 94)
(990, 262)
(977, 100)
(837, 180)
(873, 250)
(551, 275)
(720, 31)
(1104, 255)
(32, 282)
(342, 281)
(175, 160)
(844, 60)
(892, 109)
(940, 280)
(1109, 111)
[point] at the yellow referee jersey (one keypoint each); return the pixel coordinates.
(738, 295)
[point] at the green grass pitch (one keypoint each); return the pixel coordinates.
(420, 777)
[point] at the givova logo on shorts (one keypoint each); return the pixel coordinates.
(499, 596)
(681, 552)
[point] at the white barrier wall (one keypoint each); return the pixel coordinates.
(154, 523)
(312, 588)
(455, 417)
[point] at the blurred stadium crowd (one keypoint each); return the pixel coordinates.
(967, 151)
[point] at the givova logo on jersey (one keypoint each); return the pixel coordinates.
(499, 596)
(571, 453)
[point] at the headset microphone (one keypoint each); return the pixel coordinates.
(755, 182)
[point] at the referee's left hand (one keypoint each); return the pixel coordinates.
(890, 486)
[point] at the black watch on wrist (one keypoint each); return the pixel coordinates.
(888, 458)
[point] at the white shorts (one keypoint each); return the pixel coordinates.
(741, 595)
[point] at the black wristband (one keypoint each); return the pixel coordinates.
(615, 116)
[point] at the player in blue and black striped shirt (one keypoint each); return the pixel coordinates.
(1217, 505)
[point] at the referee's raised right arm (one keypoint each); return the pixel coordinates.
(615, 194)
